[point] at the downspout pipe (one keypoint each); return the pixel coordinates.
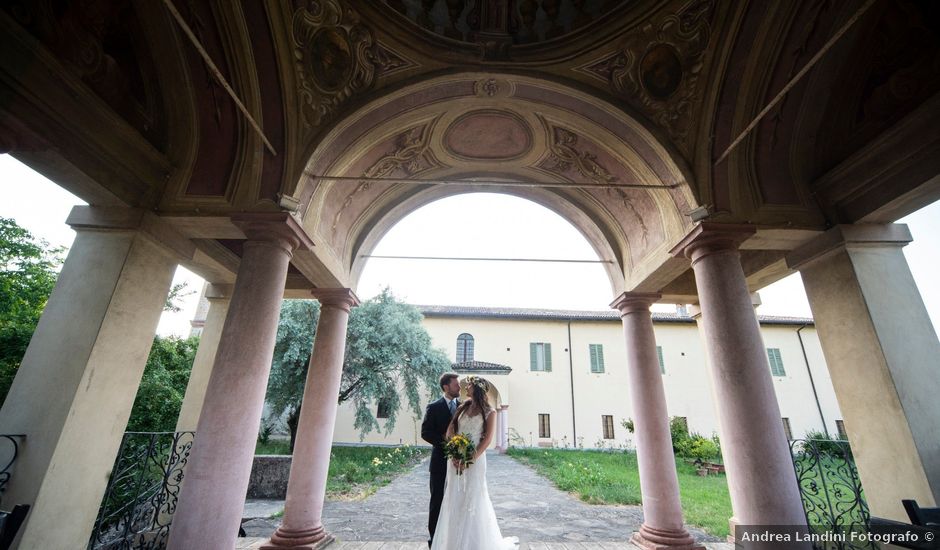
(812, 384)
(574, 423)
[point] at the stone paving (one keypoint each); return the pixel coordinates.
(527, 506)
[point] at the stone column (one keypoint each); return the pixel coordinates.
(498, 436)
(659, 484)
(757, 458)
(881, 350)
(75, 387)
(302, 527)
(218, 297)
(504, 433)
(213, 494)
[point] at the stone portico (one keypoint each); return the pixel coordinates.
(268, 146)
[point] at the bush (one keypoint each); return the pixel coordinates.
(702, 448)
(628, 425)
(827, 445)
(679, 430)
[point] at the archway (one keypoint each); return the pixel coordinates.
(593, 163)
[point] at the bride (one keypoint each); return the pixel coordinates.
(467, 520)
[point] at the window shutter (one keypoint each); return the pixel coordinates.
(600, 358)
(593, 349)
(662, 364)
(533, 356)
(776, 362)
(548, 357)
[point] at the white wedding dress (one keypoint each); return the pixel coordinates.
(467, 520)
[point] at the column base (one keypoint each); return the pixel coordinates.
(307, 539)
(732, 524)
(651, 538)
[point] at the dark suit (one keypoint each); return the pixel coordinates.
(433, 430)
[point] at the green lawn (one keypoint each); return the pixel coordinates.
(600, 477)
(357, 472)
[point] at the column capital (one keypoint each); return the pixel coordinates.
(709, 238)
(276, 227)
(343, 298)
(630, 302)
(847, 235)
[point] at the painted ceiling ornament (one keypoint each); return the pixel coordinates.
(565, 157)
(493, 87)
(658, 67)
(334, 56)
(411, 156)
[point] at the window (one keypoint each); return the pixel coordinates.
(608, 423)
(540, 356)
(786, 429)
(840, 427)
(597, 358)
(384, 409)
(776, 363)
(545, 426)
(464, 348)
(662, 364)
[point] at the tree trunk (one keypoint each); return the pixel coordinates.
(292, 419)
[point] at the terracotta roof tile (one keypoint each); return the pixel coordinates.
(575, 315)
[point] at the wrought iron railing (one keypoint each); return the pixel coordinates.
(831, 491)
(13, 449)
(142, 493)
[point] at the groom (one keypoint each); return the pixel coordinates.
(433, 429)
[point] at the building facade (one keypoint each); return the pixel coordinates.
(563, 375)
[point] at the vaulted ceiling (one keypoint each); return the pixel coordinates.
(117, 102)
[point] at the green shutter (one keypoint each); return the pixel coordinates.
(548, 357)
(776, 362)
(597, 358)
(533, 356)
(662, 364)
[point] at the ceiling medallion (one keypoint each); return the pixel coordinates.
(335, 56)
(658, 67)
(488, 135)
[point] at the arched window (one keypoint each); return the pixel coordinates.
(464, 348)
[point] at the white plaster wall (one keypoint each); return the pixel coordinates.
(686, 381)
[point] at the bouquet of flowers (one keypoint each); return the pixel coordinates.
(460, 448)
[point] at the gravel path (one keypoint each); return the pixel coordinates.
(527, 505)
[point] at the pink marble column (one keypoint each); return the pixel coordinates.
(302, 527)
(757, 458)
(659, 484)
(213, 493)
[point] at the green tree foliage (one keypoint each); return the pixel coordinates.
(28, 271)
(387, 352)
(163, 386)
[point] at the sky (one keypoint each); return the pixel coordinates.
(472, 225)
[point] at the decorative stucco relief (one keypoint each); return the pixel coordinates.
(658, 68)
(336, 57)
(411, 156)
(571, 161)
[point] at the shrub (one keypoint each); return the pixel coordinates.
(679, 430)
(828, 445)
(628, 425)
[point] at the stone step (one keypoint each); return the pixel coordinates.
(255, 543)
